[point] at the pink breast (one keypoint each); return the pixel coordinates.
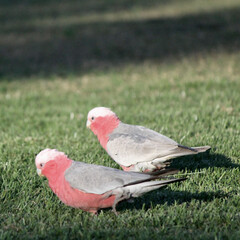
(78, 199)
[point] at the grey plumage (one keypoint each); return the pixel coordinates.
(91, 178)
(136, 145)
(97, 179)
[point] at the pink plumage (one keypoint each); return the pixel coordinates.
(92, 187)
(54, 164)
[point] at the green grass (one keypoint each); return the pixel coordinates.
(169, 65)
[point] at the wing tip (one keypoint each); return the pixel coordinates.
(202, 149)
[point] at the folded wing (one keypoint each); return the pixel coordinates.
(97, 179)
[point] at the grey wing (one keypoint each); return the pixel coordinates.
(130, 144)
(98, 179)
(134, 130)
(126, 151)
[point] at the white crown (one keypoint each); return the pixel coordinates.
(100, 112)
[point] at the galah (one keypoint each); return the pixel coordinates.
(92, 187)
(135, 148)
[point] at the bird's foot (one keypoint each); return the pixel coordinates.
(115, 211)
(94, 212)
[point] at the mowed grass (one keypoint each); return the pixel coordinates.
(171, 66)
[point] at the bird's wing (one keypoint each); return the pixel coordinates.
(126, 150)
(97, 179)
(130, 144)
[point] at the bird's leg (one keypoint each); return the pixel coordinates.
(161, 165)
(114, 210)
(116, 201)
(114, 206)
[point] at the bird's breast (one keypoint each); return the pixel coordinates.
(79, 199)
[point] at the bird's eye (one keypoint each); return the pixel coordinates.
(92, 118)
(41, 165)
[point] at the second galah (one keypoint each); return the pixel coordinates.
(135, 148)
(91, 187)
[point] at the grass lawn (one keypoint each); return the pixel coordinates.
(173, 66)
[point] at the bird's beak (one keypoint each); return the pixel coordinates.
(39, 172)
(88, 124)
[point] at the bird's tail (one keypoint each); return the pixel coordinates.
(201, 149)
(178, 152)
(193, 150)
(139, 189)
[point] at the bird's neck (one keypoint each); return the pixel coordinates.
(55, 169)
(103, 126)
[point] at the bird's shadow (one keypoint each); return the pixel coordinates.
(203, 160)
(192, 163)
(169, 197)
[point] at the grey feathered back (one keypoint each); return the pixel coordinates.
(98, 179)
(131, 144)
(139, 134)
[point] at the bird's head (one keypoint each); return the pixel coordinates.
(99, 113)
(46, 161)
(101, 118)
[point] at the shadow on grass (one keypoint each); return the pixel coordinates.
(52, 39)
(163, 196)
(204, 160)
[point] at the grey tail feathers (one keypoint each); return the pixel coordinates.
(156, 175)
(195, 150)
(167, 181)
(141, 188)
(202, 149)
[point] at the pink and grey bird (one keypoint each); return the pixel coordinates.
(135, 148)
(92, 187)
